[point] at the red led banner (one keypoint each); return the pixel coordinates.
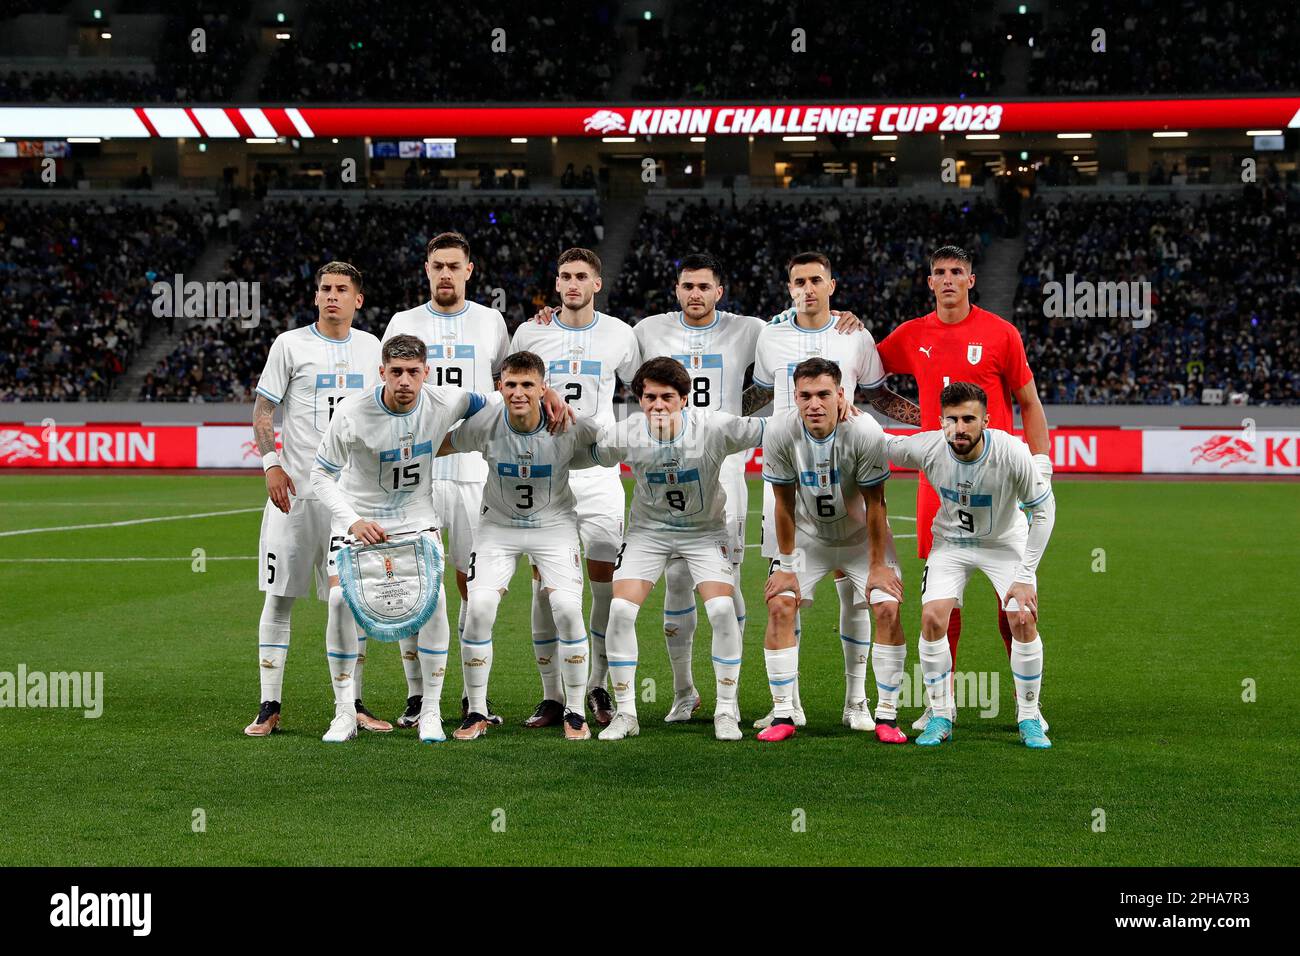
(1063, 116)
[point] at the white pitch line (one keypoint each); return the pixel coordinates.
(237, 557)
(122, 524)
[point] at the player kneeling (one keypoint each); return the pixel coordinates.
(828, 480)
(528, 509)
(675, 454)
(372, 472)
(982, 474)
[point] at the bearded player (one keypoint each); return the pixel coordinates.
(960, 342)
(466, 343)
(308, 371)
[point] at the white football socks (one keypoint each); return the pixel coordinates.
(273, 644)
(889, 663)
(602, 593)
(1027, 670)
(726, 652)
(341, 648)
(573, 649)
(411, 666)
(476, 646)
(936, 665)
(622, 653)
(679, 623)
(782, 673)
(545, 646)
(432, 648)
(855, 639)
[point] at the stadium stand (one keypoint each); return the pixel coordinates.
(77, 281)
(348, 52)
(909, 51)
(515, 242)
(1189, 46)
(1225, 290)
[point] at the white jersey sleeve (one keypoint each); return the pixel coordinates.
(783, 345)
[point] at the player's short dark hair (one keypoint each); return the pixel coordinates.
(950, 252)
(337, 268)
(815, 368)
(405, 347)
(958, 393)
(665, 371)
(803, 258)
(447, 240)
(578, 254)
(524, 362)
(701, 260)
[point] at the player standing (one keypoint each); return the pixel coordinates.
(960, 342)
(308, 371)
(583, 350)
(528, 508)
(982, 474)
(466, 342)
(828, 478)
(372, 471)
(781, 347)
(676, 456)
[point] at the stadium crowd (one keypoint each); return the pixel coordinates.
(515, 244)
(77, 290)
(394, 53)
(1185, 46)
(1224, 275)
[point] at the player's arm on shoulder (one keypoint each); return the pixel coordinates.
(907, 450)
(1033, 419)
(758, 396)
(332, 456)
(610, 446)
(888, 402)
(739, 432)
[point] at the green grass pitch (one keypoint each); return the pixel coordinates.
(1145, 664)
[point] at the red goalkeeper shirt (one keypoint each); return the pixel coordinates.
(982, 348)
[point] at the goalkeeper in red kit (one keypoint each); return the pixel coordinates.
(960, 342)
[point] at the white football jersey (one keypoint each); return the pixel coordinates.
(466, 348)
(383, 460)
(783, 345)
(716, 355)
(581, 362)
(979, 501)
(828, 473)
(308, 374)
(677, 487)
(528, 472)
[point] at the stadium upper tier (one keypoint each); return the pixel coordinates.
(335, 51)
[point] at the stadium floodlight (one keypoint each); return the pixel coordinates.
(106, 35)
(519, 140)
(983, 135)
(84, 139)
(699, 139)
(885, 137)
(1169, 134)
(1022, 9)
(618, 139)
(279, 18)
(260, 140)
(1074, 136)
(799, 139)
(435, 139)
(284, 36)
(98, 14)
(1263, 132)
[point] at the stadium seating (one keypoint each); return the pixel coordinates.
(77, 280)
(1225, 290)
(515, 244)
(348, 52)
(1190, 46)
(910, 50)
